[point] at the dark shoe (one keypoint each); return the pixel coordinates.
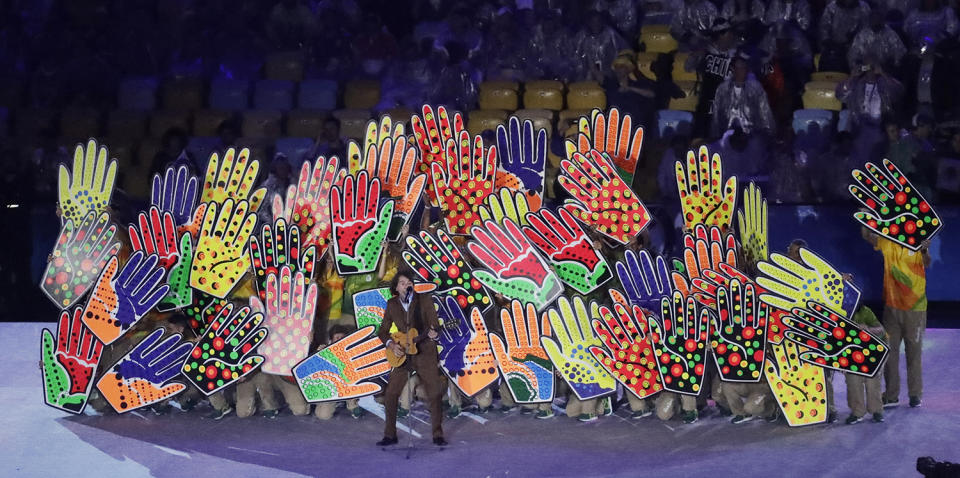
(587, 417)
(641, 414)
(741, 419)
(853, 419)
(724, 412)
(387, 441)
(773, 417)
(891, 403)
(219, 414)
(544, 414)
(271, 414)
(690, 417)
(526, 411)
(483, 410)
(831, 417)
(356, 412)
(505, 409)
(877, 418)
(454, 412)
(188, 405)
(402, 412)
(915, 402)
(440, 441)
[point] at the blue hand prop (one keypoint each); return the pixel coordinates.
(518, 155)
(644, 285)
(452, 340)
(156, 364)
(175, 192)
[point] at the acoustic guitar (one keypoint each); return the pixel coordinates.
(409, 340)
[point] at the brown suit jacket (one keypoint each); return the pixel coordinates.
(394, 314)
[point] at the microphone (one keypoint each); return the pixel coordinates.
(409, 293)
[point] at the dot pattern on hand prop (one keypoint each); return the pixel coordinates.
(178, 278)
(432, 132)
(738, 336)
(680, 343)
(465, 353)
(629, 355)
(394, 166)
(144, 376)
(279, 246)
(506, 203)
(522, 159)
(307, 204)
(601, 198)
(611, 136)
(512, 266)
(522, 360)
(569, 250)
(437, 260)
(569, 349)
(344, 369)
(155, 234)
(69, 362)
(359, 227)
(711, 281)
(645, 284)
(895, 208)
(123, 296)
(175, 192)
(464, 181)
(791, 284)
(702, 198)
(201, 312)
(90, 187)
(232, 178)
(290, 307)
(703, 250)
(370, 305)
(753, 226)
(362, 156)
(221, 257)
(226, 350)
(800, 387)
(834, 341)
(80, 254)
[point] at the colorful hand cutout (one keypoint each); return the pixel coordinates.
(644, 284)
(436, 259)
(601, 197)
(522, 160)
(701, 252)
(90, 187)
(359, 228)
(465, 353)
(432, 133)
(202, 310)
(156, 235)
(896, 210)
(568, 248)
(790, 284)
(232, 179)
(307, 205)
(78, 258)
(279, 246)
(291, 305)
(570, 350)
(370, 305)
(507, 203)
(178, 278)
(335, 372)
(393, 161)
(523, 361)
(800, 387)
(143, 376)
(513, 268)
(69, 365)
(738, 336)
(175, 192)
(711, 281)
(360, 156)
(629, 355)
(120, 300)
(753, 226)
(834, 341)
(466, 181)
(221, 259)
(680, 343)
(611, 137)
(225, 352)
(701, 197)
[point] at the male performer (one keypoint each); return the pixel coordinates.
(407, 310)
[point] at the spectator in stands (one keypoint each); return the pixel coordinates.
(742, 99)
(597, 45)
(713, 67)
(291, 25)
(878, 41)
(329, 142)
(457, 86)
(745, 16)
(745, 155)
(869, 95)
(556, 51)
(929, 23)
(229, 133)
(664, 86)
(631, 91)
(373, 46)
(623, 13)
(786, 68)
(840, 22)
(792, 12)
(691, 26)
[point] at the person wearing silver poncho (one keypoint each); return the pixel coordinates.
(788, 11)
(840, 22)
(742, 99)
(929, 24)
(878, 40)
(692, 24)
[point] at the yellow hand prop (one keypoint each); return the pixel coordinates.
(701, 197)
(221, 257)
(800, 387)
(233, 178)
(91, 186)
(753, 225)
(508, 203)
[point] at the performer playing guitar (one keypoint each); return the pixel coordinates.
(406, 310)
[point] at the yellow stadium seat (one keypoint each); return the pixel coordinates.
(679, 73)
(400, 115)
(285, 65)
(821, 95)
(305, 123)
(644, 62)
(127, 124)
(479, 121)
(183, 94)
(546, 95)
(361, 94)
(586, 95)
(572, 115)
(499, 95)
(500, 85)
(541, 118)
(688, 103)
(206, 122)
(163, 120)
(353, 122)
(833, 76)
(80, 123)
(657, 39)
(261, 124)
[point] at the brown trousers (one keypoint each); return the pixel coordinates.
(908, 327)
(425, 365)
(856, 385)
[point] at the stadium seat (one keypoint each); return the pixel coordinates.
(202, 146)
(843, 121)
(161, 121)
(821, 95)
(80, 123)
(688, 103)
(499, 95)
(295, 149)
(30, 122)
(273, 95)
(803, 119)
(261, 124)
(833, 76)
(353, 122)
(657, 39)
(305, 123)
(206, 122)
(400, 115)
(361, 94)
(816, 61)
(645, 61)
(547, 95)
(183, 94)
(586, 95)
(679, 73)
(229, 95)
(572, 115)
(137, 94)
(671, 122)
(479, 121)
(285, 65)
(541, 118)
(317, 95)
